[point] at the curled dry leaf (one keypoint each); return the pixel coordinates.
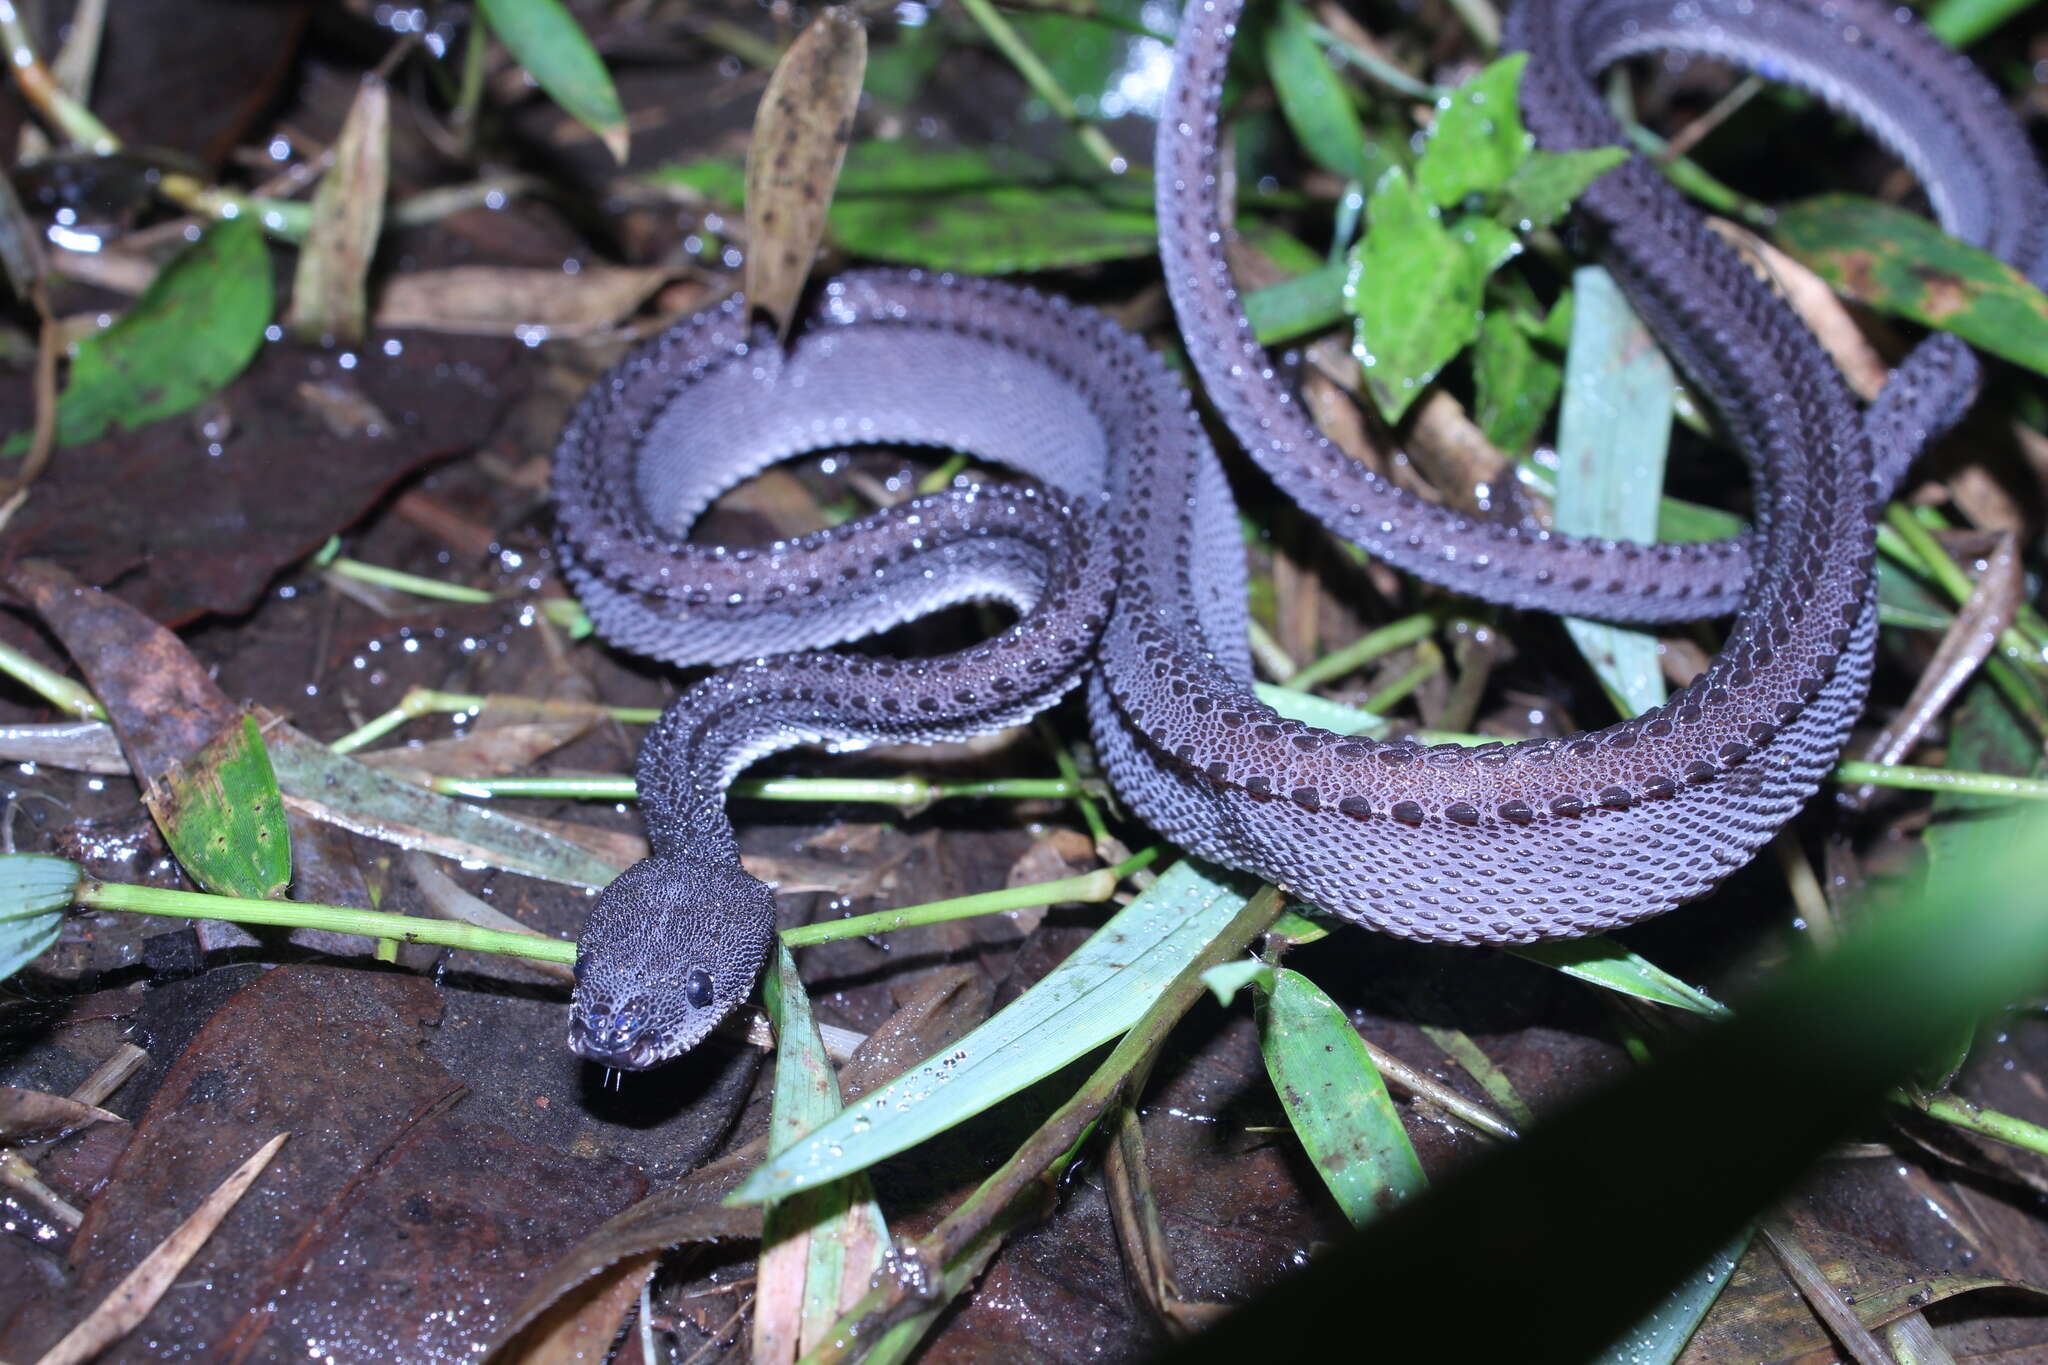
(1816, 303)
(799, 144)
(484, 300)
(330, 290)
(38, 1116)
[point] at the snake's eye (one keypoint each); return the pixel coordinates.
(697, 987)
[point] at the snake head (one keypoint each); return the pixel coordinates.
(671, 947)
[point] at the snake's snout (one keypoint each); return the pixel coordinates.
(623, 1040)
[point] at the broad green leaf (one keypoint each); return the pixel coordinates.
(1612, 435)
(34, 892)
(1335, 1099)
(1315, 101)
(821, 1244)
(995, 231)
(193, 330)
(1478, 140)
(543, 37)
(1899, 263)
(963, 209)
(1543, 187)
(1491, 245)
(1094, 996)
(1415, 292)
(223, 816)
(1226, 979)
(1984, 736)
(1514, 384)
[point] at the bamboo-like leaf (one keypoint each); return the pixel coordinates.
(1335, 1099)
(1091, 998)
(1612, 435)
(1313, 98)
(545, 39)
(819, 1246)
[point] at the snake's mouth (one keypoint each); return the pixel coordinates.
(621, 1044)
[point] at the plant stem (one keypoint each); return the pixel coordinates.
(1098, 885)
(1385, 640)
(65, 694)
(153, 900)
(1043, 83)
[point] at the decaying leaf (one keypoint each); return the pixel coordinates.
(329, 291)
(799, 144)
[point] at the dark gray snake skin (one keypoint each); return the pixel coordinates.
(1496, 844)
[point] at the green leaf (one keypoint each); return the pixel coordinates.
(1984, 736)
(963, 209)
(1315, 101)
(1089, 53)
(1306, 303)
(223, 816)
(1515, 384)
(835, 1232)
(1659, 1337)
(354, 795)
(1612, 435)
(1336, 1100)
(1899, 263)
(1094, 996)
(995, 231)
(1817, 1050)
(1543, 187)
(1602, 962)
(1959, 23)
(1415, 292)
(1490, 244)
(193, 330)
(543, 37)
(1226, 979)
(1478, 140)
(34, 892)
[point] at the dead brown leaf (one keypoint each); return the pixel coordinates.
(484, 300)
(330, 290)
(799, 144)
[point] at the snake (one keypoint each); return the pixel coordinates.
(1119, 548)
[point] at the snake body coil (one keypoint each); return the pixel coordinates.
(1500, 843)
